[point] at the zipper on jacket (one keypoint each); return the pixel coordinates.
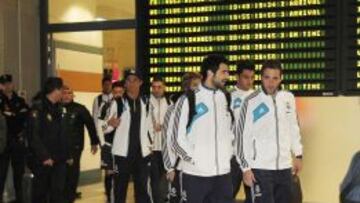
(277, 133)
(255, 152)
(159, 113)
(216, 138)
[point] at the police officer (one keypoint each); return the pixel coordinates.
(82, 117)
(48, 130)
(15, 110)
(3, 136)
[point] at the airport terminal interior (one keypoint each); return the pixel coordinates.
(84, 41)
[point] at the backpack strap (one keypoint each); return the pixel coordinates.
(99, 100)
(168, 100)
(104, 110)
(120, 106)
(146, 101)
(228, 105)
(190, 95)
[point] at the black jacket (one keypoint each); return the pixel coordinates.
(16, 112)
(3, 136)
(81, 117)
(48, 130)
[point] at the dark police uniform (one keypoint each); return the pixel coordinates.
(48, 128)
(15, 111)
(81, 117)
(3, 133)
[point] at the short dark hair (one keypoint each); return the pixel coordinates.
(119, 83)
(244, 65)
(106, 79)
(158, 78)
(52, 84)
(272, 64)
(6, 78)
(212, 62)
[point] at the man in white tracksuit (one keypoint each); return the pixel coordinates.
(132, 141)
(268, 135)
(245, 75)
(172, 164)
(118, 90)
(99, 101)
(205, 144)
(159, 104)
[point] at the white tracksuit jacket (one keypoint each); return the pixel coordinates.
(96, 113)
(169, 155)
(206, 146)
(267, 131)
(158, 108)
(238, 97)
(121, 138)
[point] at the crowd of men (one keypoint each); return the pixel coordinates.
(196, 146)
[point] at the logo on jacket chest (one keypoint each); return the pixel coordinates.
(260, 111)
(201, 109)
(237, 103)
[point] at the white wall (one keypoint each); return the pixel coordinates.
(331, 136)
(20, 43)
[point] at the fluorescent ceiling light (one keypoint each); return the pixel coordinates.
(100, 19)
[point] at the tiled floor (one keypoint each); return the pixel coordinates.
(95, 194)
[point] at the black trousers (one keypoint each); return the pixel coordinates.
(49, 183)
(272, 186)
(216, 189)
(237, 176)
(175, 189)
(139, 169)
(72, 176)
(158, 178)
(17, 159)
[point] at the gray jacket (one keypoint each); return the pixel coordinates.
(3, 135)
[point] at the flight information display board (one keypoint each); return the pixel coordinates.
(300, 33)
(351, 59)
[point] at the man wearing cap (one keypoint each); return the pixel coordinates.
(82, 117)
(48, 131)
(15, 111)
(132, 142)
